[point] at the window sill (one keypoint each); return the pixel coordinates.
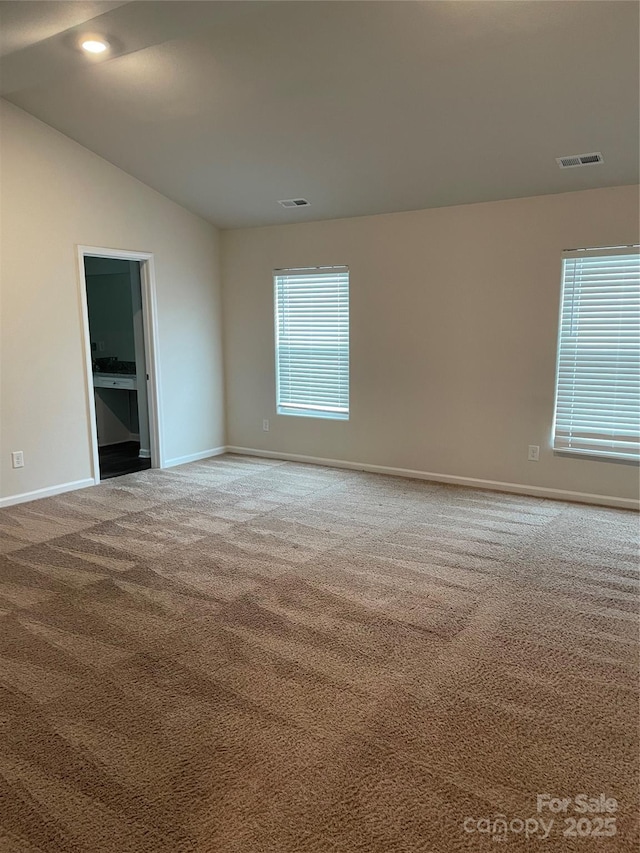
(596, 457)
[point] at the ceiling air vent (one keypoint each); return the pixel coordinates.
(579, 160)
(294, 202)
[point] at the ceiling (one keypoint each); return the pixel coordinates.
(359, 107)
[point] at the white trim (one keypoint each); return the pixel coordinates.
(143, 453)
(90, 406)
(473, 482)
(195, 457)
(45, 493)
(596, 251)
(310, 271)
(118, 254)
(133, 436)
(150, 320)
(154, 396)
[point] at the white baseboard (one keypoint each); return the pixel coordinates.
(491, 485)
(114, 443)
(83, 484)
(46, 493)
(143, 453)
(194, 457)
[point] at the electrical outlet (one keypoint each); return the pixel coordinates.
(17, 459)
(265, 425)
(534, 453)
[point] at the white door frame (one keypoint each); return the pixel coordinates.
(150, 324)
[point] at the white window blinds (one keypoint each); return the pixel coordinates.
(312, 342)
(598, 383)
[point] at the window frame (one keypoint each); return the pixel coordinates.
(317, 411)
(561, 444)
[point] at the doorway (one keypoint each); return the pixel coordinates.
(118, 302)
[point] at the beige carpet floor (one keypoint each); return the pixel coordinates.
(250, 656)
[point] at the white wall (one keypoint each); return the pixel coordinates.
(454, 321)
(55, 195)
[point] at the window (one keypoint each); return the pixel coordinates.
(598, 381)
(312, 342)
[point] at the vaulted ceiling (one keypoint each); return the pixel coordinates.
(360, 107)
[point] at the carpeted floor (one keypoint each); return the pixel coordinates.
(250, 656)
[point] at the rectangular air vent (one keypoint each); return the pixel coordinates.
(579, 160)
(294, 202)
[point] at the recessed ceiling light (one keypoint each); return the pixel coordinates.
(94, 45)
